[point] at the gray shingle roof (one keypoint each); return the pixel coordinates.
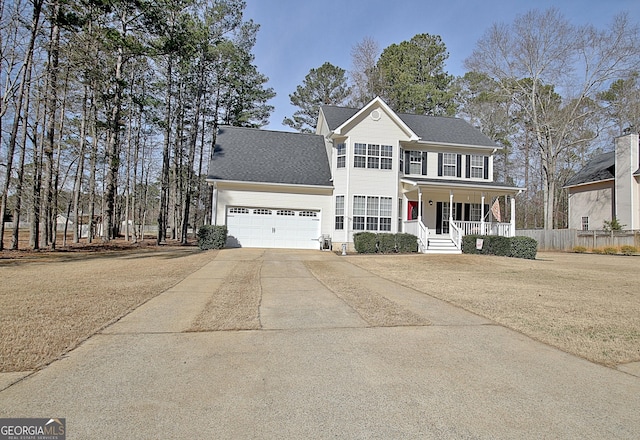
(601, 167)
(437, 129)
(253, 155)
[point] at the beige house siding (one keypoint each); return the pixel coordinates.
(594, 201)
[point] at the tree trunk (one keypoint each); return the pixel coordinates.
(24, 87)
(77, 186)
(164, 177)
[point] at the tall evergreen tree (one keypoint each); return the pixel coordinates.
(413, 77)
(326, 85)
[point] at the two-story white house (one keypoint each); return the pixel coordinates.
(367, 169)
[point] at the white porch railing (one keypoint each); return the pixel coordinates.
(484, 228)
(420, 230)
(455, 233)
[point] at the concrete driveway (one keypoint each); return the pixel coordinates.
(322, 364)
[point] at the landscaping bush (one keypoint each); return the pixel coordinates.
(406, 243)
(628, 250)
(365, 242)
(518, 247)
(597, 251)
(212, 237)
(386, 243)
(369, 243)
(469, 244)
(610, 250)
(524, 247)
(579, 249)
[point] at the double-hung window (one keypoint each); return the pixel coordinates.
(449, 164)
(585, 223)
(339, 212)
(373, 156)
(341, 154)
(386, 157)
(477, 166)
(359, 212)
(360, 155)
(415, 162)
(475, 212)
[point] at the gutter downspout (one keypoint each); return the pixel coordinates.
(214, 205)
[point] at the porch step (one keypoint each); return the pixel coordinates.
(441, 246)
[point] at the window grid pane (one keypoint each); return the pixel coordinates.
(359, 205)
(339, 205)
(385, 206)
(372, 206)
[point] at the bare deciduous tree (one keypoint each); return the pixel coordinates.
(541, 55)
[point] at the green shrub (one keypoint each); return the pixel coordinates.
(386, 243)
(212, 237)
(518, 247)
(469, 244)
(610, 250)
(597, 251)
(579, 249)
(406, 243)
(524, 247)
(628, 250)
(365, 242)
(370, 243)
(496, 245)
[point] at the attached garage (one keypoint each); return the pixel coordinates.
(273, 228)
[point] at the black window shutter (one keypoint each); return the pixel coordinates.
(485, 211)
(467, 212)
(459, 164)
(468, 166)
(486, 167)
(439, 218)
(458, 212)
(439, 164)
(407, 164)
(424, 163)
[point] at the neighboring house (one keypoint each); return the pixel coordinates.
(607, 187)
(367, 169)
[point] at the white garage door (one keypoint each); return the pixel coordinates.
(273, 228)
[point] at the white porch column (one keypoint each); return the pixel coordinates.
(419, 205)
(482, 230)
(214, 205)
(513, 216)
(450, 209)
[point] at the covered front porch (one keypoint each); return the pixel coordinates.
(440, 213)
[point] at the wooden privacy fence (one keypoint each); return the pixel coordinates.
(568, 239)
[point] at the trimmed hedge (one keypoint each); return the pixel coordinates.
(517, 247)
(370, 243)
(524, 247)
(212, 237)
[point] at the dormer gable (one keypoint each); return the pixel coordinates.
(339, 120)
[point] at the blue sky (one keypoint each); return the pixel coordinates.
(298, 35)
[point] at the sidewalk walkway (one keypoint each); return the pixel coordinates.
(320, 367)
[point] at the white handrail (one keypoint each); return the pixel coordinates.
(455, 234)
(423, 236)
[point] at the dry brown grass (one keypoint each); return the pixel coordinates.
(236, 303)
(588, 305)
(372, 306)
(52, 301)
